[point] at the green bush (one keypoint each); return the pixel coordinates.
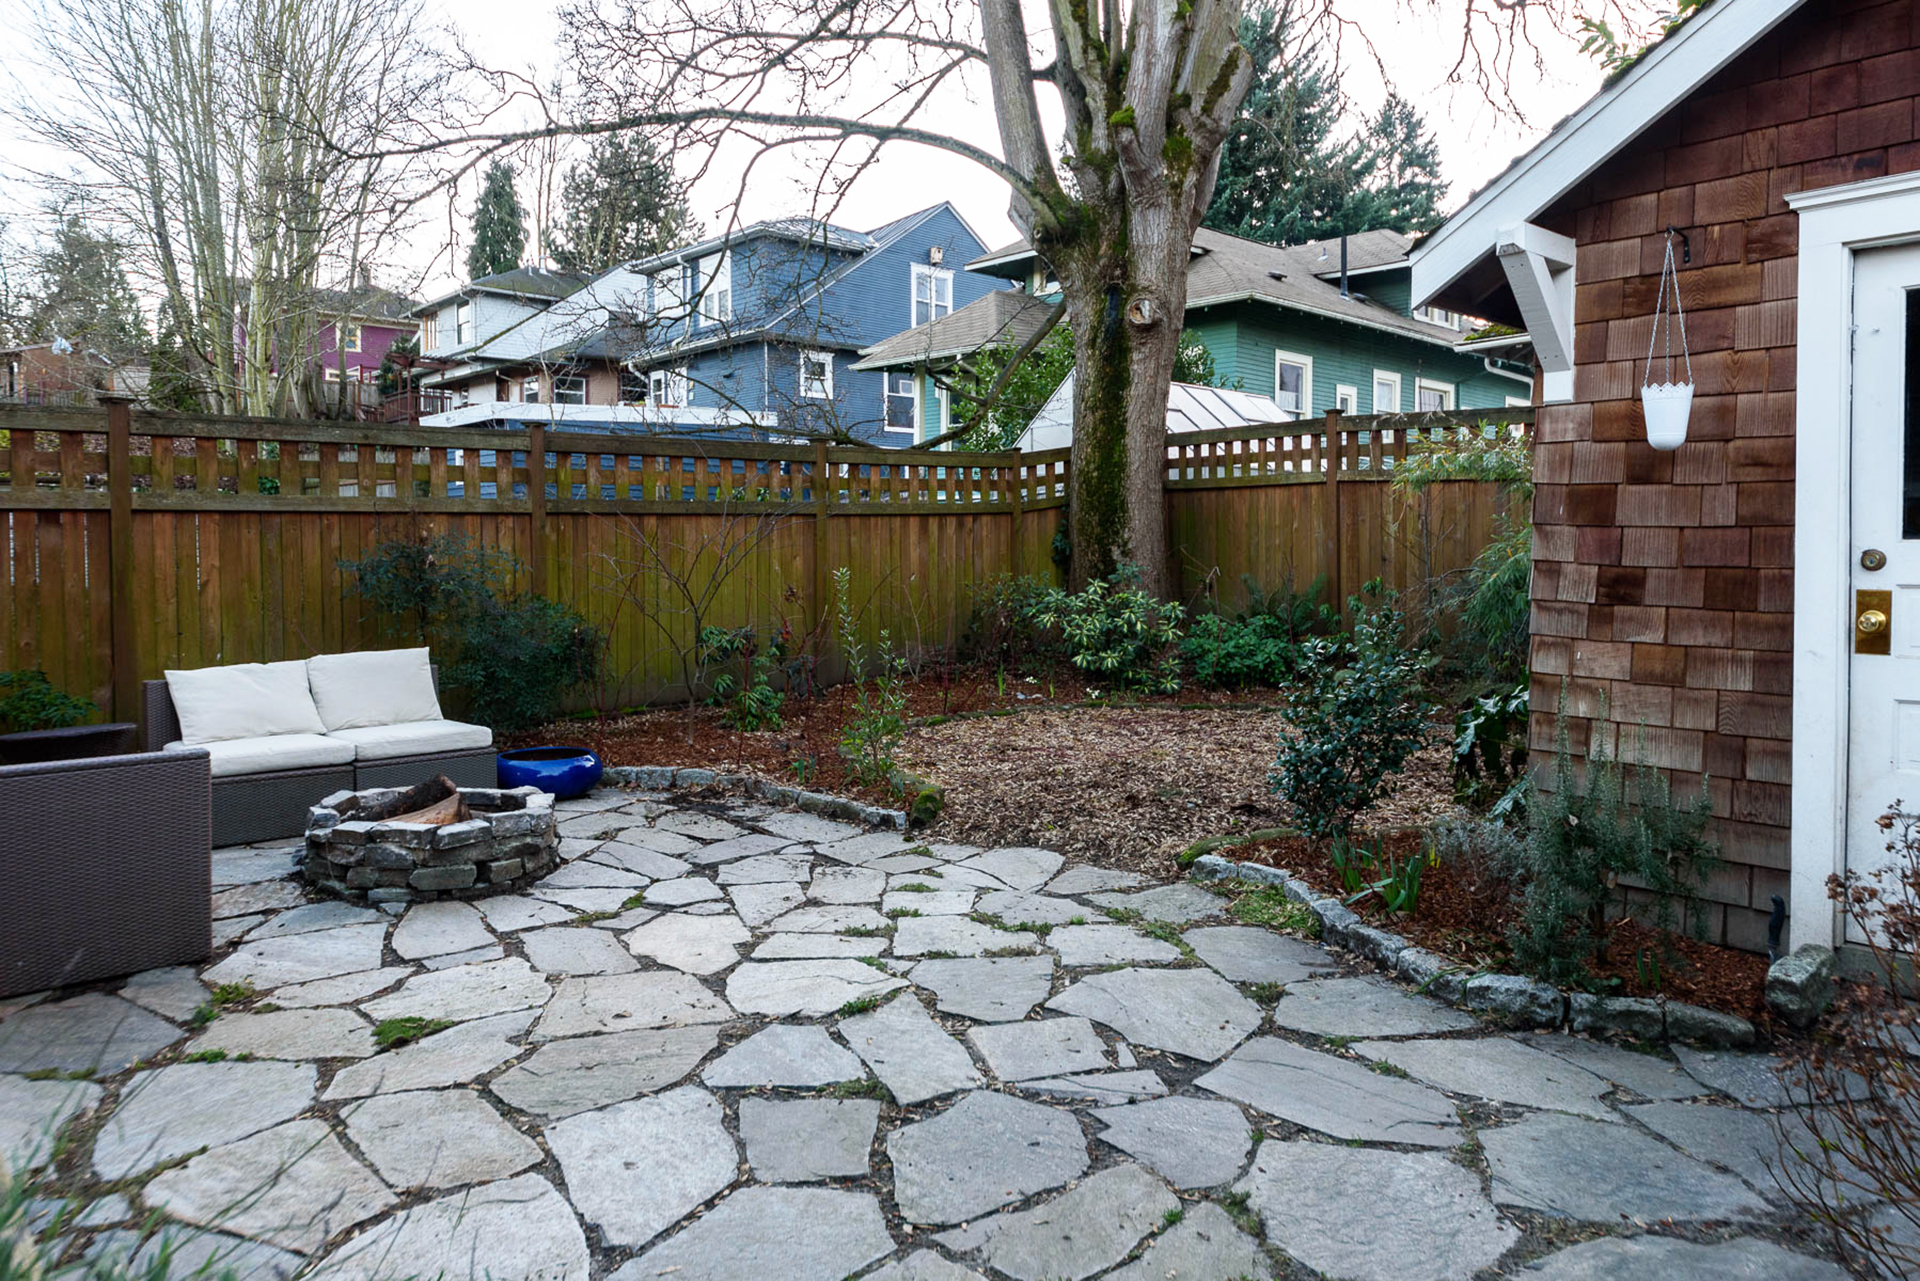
(748, 701)
(1584, 847)
(514, 655)
(28, 700)
(1490, 751)
(1117, 633)
(871, 736)
(1225, 654)
(1357, 717)
(1492, 604)
(1001, 631)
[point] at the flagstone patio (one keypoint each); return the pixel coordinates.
(726, 1043)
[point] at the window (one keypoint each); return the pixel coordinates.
(430, 331)
(932, 292)
(331, 374)
(633, 387)
(667, 295)
(569, 389)
(1438, 316)
(716, 289)
(350, 337)
(463, 323)
(1429, 396)
(900, 401)
(668, 389)
(1386, 392)
(1346, 399)
(816, 375)
(1293, 381)
(530, 390)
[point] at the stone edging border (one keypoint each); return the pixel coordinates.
(1513, 998)
(667, 777)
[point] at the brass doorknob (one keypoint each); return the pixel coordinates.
(1869, 622)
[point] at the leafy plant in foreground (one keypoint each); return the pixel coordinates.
(1356, 719)
(1490, 750)
(871, 736)
(1118, 633)
(749, 701)
(28, 701)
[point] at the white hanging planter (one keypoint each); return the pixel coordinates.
(1667, 405)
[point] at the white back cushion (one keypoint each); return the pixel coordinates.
(246, 700)
(373, 687)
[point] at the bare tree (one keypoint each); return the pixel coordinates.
(239, 145)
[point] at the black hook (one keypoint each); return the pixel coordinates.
(1686, 246)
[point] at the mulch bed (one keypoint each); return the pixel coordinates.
(1465, 914)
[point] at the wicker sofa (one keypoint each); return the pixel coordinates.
(106, 861)
(282, 735)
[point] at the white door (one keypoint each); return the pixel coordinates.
(1883, 758)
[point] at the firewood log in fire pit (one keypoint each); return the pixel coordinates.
(434, 803)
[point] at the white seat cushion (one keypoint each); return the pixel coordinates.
(416, 738)
(233, 756)
(245, 700)
(373, 687)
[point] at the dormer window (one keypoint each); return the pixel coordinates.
(1437, 316)
(716, 289)
(932, 292)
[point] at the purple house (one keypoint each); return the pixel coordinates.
(356, 329)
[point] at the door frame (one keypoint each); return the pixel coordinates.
(1835, 224)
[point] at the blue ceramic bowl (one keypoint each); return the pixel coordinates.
(564, 771)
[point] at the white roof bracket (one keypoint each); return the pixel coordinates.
(1539, 267)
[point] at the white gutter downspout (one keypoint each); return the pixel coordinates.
(1486, 363)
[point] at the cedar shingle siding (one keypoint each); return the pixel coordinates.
(1662, 583)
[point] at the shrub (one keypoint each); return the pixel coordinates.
(748, 701)
(1117, 633)
(1001, 630)
(872, 733)
(1225, 654)
(1480, 856)
(1851, 1159)
(1356, 720)
(515, 656)
(1492, 604)
(1584, 847)
(1490, 751)
(28, 700)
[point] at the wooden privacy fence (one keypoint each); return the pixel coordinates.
(133, 542)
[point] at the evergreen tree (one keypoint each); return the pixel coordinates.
(622, 202)
(172, 383)
(499, 225)
(394, 377)
(81, 292)
(1286, 173)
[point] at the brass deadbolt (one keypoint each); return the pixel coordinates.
(1873, 558)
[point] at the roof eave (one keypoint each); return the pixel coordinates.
(1413, 335)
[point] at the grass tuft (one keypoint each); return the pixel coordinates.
(391, 1034)
(860, 1005)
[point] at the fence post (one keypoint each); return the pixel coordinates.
(822, 488)
(126, 657)
(1015, 487)
(1335, 455)
(537, 504)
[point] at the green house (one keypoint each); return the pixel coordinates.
(1278, 320)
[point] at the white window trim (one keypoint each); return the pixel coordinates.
(676, 390)
(1835, 223)
(1519, 402)
(462, 323)
(350, 336)
(928, 271)
(585, 388)
(944, 414)
(716, 289)
(1399, 391)
(826, 389)
(1305, 408)
(530, 384)
(887, 397)
(1434, 384)
(1349, 395)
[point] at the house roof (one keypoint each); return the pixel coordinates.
(806, 231)
(1228, 269)
(1003, 316)
(1456, 263)
(366, 303)
(1190, 407)
(518, 282)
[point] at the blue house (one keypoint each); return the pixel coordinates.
(755, 332)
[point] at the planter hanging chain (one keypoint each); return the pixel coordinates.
(1667, 405)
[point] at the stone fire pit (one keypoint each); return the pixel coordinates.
(356, 851)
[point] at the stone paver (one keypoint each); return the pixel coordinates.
(518, 1227)
(635, 1169)
(569, 1110)
(796, 1234)
(587, 1072)
(1440, 1227)
(1363, 1007)
(1590, 1170)
(1665, 1259)
(1191, 1143)
(183, 1107)
(1073, 1236)
(909, 1052)
(784, 1054)
(992, 989)
(1192, 1012)
(1334, 1096)
(293, 1186)
(1248, 955)
(1748, 1143)
(1496, 1068)
(985, 1151)
(804, 1140)
(1039, 1048)
(436, 1139)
